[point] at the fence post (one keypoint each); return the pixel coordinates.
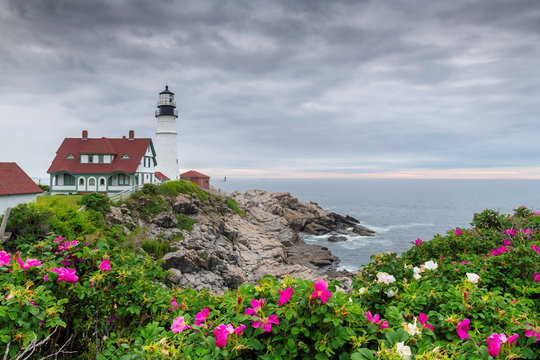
(4, 224)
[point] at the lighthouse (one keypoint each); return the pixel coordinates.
(166, 148)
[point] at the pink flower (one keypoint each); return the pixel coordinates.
(374, 319)
(179, 325)
(105, 266)
(507, 243)
(64, 274)
(266, 323)
(458, 232)
(285, 295)
(532, 332)
(536, 277)
(223, 331)
(536, 248)
(423, 318)
(462, 329)
(494, 344)
(174, 304)
(29, 263)
(67, 245)
(320, 291)
(239, 330)
(514, 301)
(418, 242)
(384, 325)
(256, 305)
(201, 317)
(5, 258)
(510, 232)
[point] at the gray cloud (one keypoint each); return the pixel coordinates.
(314, 86)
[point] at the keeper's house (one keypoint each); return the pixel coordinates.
(16, 187)
(196, 177)
(105, 165)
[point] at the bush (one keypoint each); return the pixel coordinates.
(97, 202)
(45, 187)
(157, 248)
(27, 224)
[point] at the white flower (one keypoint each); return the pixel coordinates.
(412, 329)
(417, 270)
(385, 278)
(403, 351)
(473, 278)
(417, 276)
(362, 290)
(391, 292)
(430, 265)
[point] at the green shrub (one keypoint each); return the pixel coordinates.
(96, 201)
(233, 205)
(150, 189)
(45, 187)
(173, 188)
(27, 224)
(185, 222)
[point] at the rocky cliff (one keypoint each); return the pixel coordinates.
(225, 249)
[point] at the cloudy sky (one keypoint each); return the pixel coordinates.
(284, 88)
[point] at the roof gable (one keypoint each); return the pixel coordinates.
(13, 180)
(194, 174)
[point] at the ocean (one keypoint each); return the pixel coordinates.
(400, 211)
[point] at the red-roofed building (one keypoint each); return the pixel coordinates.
(16, 187)
(197, 178)
(161, 177)
(104, 165)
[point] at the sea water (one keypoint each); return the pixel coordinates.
(400, 211)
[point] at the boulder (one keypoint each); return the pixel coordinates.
(337, 238)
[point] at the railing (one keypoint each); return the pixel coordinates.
(120, 196)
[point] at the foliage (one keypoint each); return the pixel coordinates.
(97, 202)
(45, 187)
(27, 223)
(185, 222)
(233, 205)
(433, 302)
(173, 188)
(156, 247)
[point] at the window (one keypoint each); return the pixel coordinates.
(81, 182)
(125, 156)
(92, 182)
(69, 179)
(123, 179)
(100, 159)
(70, 156)
(102, 182)
(90, 159)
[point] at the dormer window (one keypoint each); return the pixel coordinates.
(70, 156)
(90, 159)
(125, 156)
(100, 159)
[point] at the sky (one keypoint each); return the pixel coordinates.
(284, 88)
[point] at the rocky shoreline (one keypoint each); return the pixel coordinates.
(224, 249)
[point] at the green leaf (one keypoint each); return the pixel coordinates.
(13, 316)
(295, 331)
(362, 354)
(527, 353)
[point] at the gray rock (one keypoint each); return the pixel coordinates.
(336, 238)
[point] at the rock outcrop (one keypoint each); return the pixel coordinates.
(224, 250)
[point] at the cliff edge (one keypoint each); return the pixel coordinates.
(224, 248)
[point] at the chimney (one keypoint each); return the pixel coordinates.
(84, 135)
(131, 135)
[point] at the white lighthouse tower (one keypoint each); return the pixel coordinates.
(166, 148)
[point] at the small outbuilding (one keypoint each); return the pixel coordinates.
(16, 186)
(196, 177)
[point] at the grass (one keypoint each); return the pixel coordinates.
(233, 205)
(185, 222)
(61, 200)
(157, 248)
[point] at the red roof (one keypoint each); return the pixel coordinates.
(133, 148)
(193, 174)
(13, 180)
(161, 176)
